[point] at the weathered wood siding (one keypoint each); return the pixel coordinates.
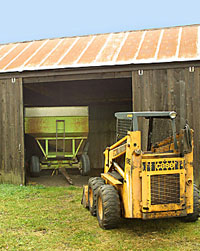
(11, 132)
(171, 89)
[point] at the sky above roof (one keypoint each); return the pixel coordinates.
(39, 19)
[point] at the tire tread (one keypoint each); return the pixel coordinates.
(196, 207)
(94, 183)
(111, 207)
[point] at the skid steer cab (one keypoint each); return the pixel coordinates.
(147, 184)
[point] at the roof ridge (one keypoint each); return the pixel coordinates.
(172, 44)
(106, 33)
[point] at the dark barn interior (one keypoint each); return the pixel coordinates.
(103, 97)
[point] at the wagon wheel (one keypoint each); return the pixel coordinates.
(35, 166)
(85, 164)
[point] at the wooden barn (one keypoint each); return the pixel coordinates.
(145, 70)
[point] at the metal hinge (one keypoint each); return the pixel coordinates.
(13, 80)
(191, 69)
(140, 72)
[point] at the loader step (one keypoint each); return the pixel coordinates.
(111, 179)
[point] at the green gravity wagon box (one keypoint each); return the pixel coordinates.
(61, 134)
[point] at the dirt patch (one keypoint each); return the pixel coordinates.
(47, 179)
(58, 180)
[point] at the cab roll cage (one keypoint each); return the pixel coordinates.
(133, 116)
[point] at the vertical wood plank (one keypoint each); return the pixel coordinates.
(171, 89)
(12, 134)
(133, 91)
(3, 86)
(196, 124)
(182, 104)
(21, 122)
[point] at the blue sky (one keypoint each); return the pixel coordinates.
(23, 20)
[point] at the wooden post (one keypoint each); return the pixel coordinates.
(12, 132)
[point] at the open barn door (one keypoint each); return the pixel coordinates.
(11, 132)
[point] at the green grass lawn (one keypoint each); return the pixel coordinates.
(52, 218)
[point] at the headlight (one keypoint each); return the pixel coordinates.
(172, 115)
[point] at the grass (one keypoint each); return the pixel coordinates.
(52, 218)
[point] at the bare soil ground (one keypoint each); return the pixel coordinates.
(58, 180)
(47, 179)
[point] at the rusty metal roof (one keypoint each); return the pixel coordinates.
(133, 47)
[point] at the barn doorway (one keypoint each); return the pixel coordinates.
(102, 97)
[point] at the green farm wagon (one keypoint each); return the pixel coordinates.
(61, 134)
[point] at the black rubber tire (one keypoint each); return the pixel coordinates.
(93, 187)
(196, 209)
(108, 207)
(85, 164)
(35, 166)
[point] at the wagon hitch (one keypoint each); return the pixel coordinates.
(64, 172)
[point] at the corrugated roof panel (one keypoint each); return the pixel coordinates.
(169, 44)
(149, 45)
(5, 49)
(188, 43)
(93, 50)
(18, 62)
(130, 46)
(18, 48)
(75, 51)
(133, 47)
(113, 43)
(59, 52)
(42, 53)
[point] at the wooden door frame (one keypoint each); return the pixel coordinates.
(12, 165)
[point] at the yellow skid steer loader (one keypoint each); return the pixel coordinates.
(150, 184)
